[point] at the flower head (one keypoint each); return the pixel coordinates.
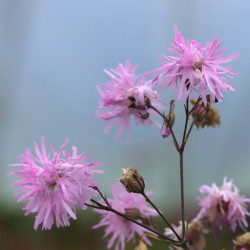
(123, 98)
(198, 69)
(54, 184)
(120, 229)
(223, 206)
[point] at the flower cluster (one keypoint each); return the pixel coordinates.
(131, 204)
(223, 205)
(198, 69)
(124, 96)
(54, 184)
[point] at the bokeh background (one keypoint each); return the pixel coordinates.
(52, 56)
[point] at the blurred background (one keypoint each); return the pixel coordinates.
(52, 56)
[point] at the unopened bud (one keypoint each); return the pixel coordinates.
(242, 242)
(132, 181)
(165, 132)
(165, 129)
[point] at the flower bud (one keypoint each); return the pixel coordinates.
(132, 181)
(242, 242)
(165, 129)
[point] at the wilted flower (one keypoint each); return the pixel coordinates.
(242, 242)
(120, 229)
(223, 206)
(54, 185)
(132, 181)
(195, 238)
(205, 115)
(198, 69)
(123, 98)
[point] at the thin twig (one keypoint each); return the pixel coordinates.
(189, 131)
(103, 207)
(186, 121)
(103, 196)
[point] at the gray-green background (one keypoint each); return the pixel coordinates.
(52, 56)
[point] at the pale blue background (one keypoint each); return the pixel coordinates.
(52, 55)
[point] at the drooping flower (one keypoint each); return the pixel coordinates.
(120, 229)
(54, 183)
(198, 69)
(124, 96)
(221, 206)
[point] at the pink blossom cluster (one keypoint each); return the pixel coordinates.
(221, 206)
(198, 69)
(125, 96)
(54, 183)
(120, 229)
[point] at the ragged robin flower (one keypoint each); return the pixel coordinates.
(124, 96)
(223, 206)
(196, 69)
(54, 183)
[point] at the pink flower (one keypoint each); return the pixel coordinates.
(119, 228)
(198, 69)
(54, 185)
(224, 205)
(123, 98)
